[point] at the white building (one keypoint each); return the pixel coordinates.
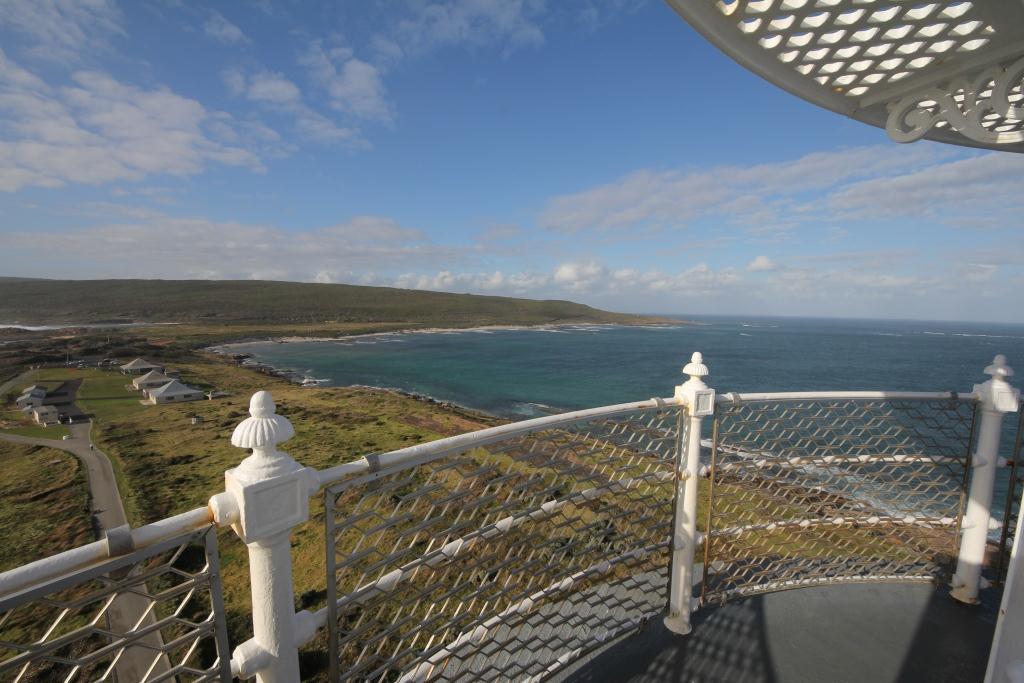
(45, 415)
(32, 396)
(140, 366)
(150, 380)
(173, 392)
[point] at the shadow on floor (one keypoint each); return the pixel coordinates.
(858, 632)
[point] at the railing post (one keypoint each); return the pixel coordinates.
(698, 402)
(266, 496)
(995, 397)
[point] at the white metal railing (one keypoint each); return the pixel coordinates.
(641, 461)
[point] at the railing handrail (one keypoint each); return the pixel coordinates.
(425, 452)
(732, 397)
(114, 545)
(432, 450)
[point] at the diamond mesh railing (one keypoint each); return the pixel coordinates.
(804, 492)
(154, 614)
(501, 561)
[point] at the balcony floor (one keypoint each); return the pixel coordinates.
(858, 632)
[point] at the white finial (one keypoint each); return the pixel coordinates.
(264, 428)
(696, 368)
(999, 369)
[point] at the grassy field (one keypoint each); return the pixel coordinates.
(102, 393)
(31, 429)
(44, 500)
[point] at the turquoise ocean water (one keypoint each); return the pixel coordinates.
(512, 372)
(522, 373)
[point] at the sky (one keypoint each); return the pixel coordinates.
(593, 150)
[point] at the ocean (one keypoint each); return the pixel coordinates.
(520, 373)
(524, 372)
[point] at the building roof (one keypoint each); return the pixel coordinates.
(173, 388)
(151, 376)
(29, 396)
(35, 388)
(139, 364)
(42, 410)
(948, 70)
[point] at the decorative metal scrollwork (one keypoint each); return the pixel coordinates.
(988, 108)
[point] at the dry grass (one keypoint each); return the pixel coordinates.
(44, 504)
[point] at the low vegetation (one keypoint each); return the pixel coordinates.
(279, 303)
(44, 496)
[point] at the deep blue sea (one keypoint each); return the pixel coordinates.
(522, 373)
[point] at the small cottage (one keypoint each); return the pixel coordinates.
(45, 415)
(150, 380)
(173, 392)
(140, 366)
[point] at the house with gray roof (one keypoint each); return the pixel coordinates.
(173, 392)
(140, 366)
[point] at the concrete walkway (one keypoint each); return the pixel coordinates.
(128, 609)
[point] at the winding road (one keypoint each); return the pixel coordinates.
(128, 609)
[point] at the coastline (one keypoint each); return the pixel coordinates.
(554, 327)
(226, 353)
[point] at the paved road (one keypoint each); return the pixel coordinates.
(107, 510)
(107, 513)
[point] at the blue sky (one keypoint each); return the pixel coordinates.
(596, 151)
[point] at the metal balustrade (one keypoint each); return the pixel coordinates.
(154, 614)
(507, 553)
(805, 492)
(461, 567)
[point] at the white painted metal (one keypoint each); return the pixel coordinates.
(82, 557)
(840, 395)
(433, 450)
(266, 496)
(996, 398)
(1006, 660)
(699, 401)
(949, 70)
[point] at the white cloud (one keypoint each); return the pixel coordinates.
(761, 264)
(222, 30)
(962, 192)
(978, 272)
(194, 247)
(579, 276)
(427, 26)
(278, 94)
(98, 130)
(496, 281)
(765, 195)
(353, 86)
(61, 30)
(272, 88)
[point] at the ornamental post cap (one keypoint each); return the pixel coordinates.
(264, 427)
(696, 367)
(999, 370)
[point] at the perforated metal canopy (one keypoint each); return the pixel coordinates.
(949, 70)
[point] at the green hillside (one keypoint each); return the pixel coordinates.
(29, 301)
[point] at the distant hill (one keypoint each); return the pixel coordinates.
(39, 301)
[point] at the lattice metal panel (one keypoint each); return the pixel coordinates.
(854, 47)
(496, 562)
(153, 615)
(806, 492)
